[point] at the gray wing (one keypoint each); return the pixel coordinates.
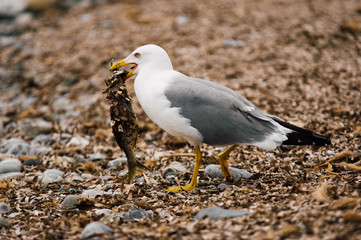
(220, 114)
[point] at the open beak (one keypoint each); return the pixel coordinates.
(121, 64)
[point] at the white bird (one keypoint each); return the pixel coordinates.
(202, 111)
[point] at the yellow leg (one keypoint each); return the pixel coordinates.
(193, 183)
(222, 158)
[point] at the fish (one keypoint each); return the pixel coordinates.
(123, 119)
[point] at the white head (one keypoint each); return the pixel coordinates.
(147, 56)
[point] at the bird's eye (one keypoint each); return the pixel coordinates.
(137, 55)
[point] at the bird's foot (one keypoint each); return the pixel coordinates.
(222, 159)
(176, 189)
(225, 170)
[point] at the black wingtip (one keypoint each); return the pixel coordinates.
(307, 138)
(301, 136)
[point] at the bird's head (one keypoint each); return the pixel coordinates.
(147, 55)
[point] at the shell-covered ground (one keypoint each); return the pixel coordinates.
(299, 60)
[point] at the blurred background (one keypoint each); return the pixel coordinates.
(297, 59)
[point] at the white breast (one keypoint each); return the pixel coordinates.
(149, 89)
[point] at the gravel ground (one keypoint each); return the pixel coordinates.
(61, 169)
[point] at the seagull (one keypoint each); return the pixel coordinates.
(202, 111)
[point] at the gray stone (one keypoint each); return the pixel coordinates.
(92, 193)
(74, 177)
(4, 223)
(233, 43)
(123, 173)
(28, 101)
(134, 213)
(217, 213)
(140, 180)
(171, 171)
(43, 139)
(52, 176)
(214, 171)
(331, 153)
(86, 17)
(32, 162)
(24, 20)
(79, 159)
(97, 156)
(70, 201)
(42, 149)
(177, 166)
(111, 218)
(107, 177)
(95, 229)
(180, 20)
(87, 175)
(37, 126)
(11, 175)
(11, 8)
(10, 165)
(4, 208)
(116, 162)
(60, 103)
(222, 187)
(17, 147)
(105, 212)
(106, 24)
(78, 141)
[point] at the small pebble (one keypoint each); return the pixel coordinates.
(176, 166)
(331, 153)
(43, 139)
(23, 20)
(97, 156)
(11, 175)
(34, 127)
(87, 176)
(233, 43)
(180, 20)
(106, 177)
(4, 208)
(214, 171)
(116, 162)
(104, 211)
(17, 147)
(4, 223)
(32, 162)
(78, 141)
(52, 176)
(134, 213)
(79, 159)
(171, 178)
(95, 229)
(70, 201)
(10, 8)
(10, 165)
(140, 180)
(111, 218)
(73, 177)
(217, 213)
(92, 193)
(61, 102)
(222, 187)
(42, 149)
(123, 173)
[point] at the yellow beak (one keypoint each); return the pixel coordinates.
(122, 64)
